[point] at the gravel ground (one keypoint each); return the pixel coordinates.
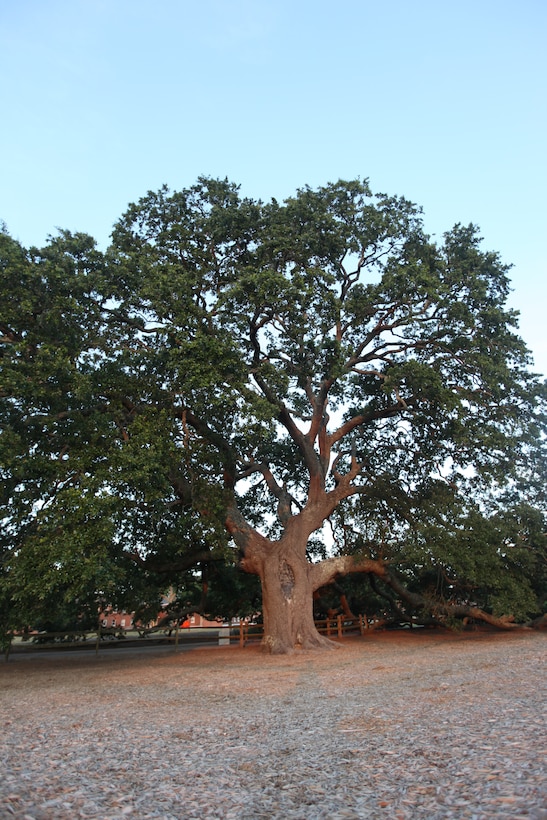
(392, 725)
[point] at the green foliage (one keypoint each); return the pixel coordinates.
(231, 593)
(451, 552)
(224, 350)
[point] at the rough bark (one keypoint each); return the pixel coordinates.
(287, 601)
(289, 581)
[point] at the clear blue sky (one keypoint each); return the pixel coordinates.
(442, 102)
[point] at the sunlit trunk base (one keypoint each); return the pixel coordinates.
(287, 600)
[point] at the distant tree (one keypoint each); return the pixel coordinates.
(316, 383)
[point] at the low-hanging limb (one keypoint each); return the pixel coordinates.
(344, 607)
(327, 571)
(444, 608)
(400, 615)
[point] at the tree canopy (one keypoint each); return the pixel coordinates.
(311, 389)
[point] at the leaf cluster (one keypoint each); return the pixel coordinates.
(228, 353)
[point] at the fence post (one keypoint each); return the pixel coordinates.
(6, 642)
(339, 625)
(241, 634)
(98, 641)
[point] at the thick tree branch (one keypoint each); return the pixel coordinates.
(303, 442)
(249, 541)
(363, 419)
(217, 440)
(327, 571)
(284, 498)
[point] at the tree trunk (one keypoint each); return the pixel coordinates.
(287, 602)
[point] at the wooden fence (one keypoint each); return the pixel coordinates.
(103, 637)
(332, 627)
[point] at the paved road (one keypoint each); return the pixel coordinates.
(127, 648)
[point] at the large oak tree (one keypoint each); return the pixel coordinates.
(315, 383)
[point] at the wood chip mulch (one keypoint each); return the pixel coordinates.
(414, 724)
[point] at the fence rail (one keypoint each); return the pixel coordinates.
(102, 637)
(332, 627)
